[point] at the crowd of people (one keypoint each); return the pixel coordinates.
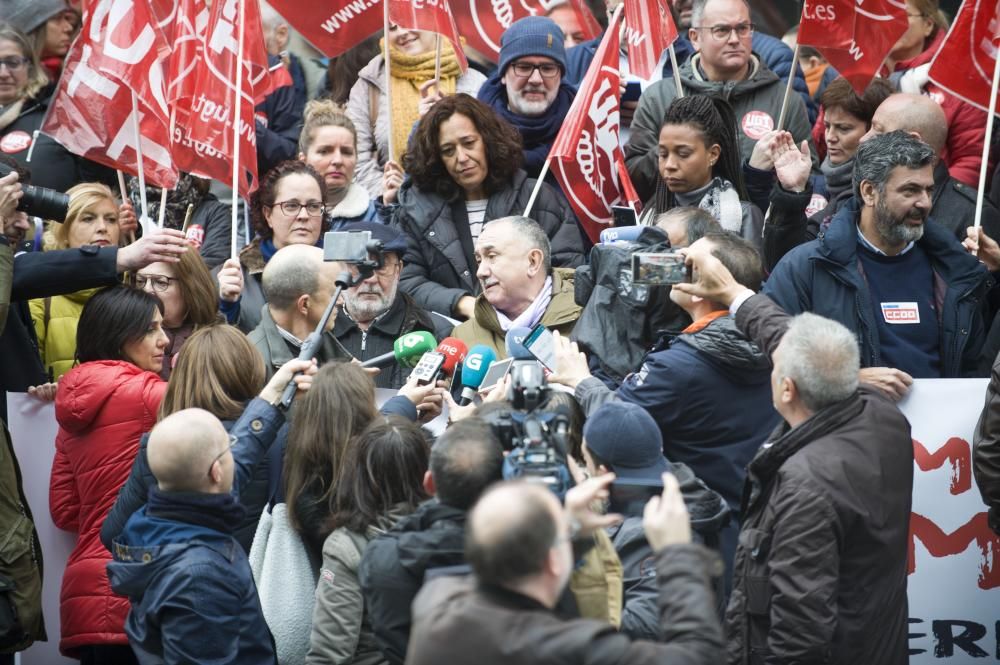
(383, 515)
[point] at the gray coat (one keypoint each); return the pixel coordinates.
(437, 271)
(277, 351)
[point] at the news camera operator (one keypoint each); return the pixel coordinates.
(45, 274)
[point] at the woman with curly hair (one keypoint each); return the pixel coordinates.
(465, 170)
(287, 209)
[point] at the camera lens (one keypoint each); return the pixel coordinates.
(44, 203)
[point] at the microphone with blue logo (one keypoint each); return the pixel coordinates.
(477, 362)
(515, 343)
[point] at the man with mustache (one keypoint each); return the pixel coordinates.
(375, 313)
(910, 292)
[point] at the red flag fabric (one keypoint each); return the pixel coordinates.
(587, 158)
(429, 15)
(117, 55)
(591, 28)
(964, 64)
(184, 26)
(649, 30)
(878, 25)
(827, 23)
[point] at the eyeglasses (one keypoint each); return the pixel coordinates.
(13, 63)
(722, 32)
(232, 442)
(160, 282)
(524, 70)
(292, 207)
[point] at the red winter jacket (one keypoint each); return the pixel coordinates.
(102, 407)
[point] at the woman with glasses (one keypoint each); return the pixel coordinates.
(465, 170)
(287, 209)
(412, 56)
(187, 292)
(103, 406)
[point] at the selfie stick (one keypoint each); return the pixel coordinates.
(315, 339)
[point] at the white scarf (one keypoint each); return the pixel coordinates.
(533, 314)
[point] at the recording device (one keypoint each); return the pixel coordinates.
(514, 341)
(40, 201)
(349, 246)
(623, 216)
(474, 369)
(658, 269)
(633, 90)
(629, 496)
(441, 362)
(542, 346)
(429, 368)
(496, 373)
(406, 350)
(621, 234)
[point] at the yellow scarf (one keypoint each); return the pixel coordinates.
(408, 73)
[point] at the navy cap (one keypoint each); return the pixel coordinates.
(532, 35)
(392, 240)
(627, 439)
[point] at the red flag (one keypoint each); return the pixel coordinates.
(878, 25)
(827, 23)
(429, 15)
(964, 64)
(117, 56)
(587, 156)
(649, 30)
(591, 28)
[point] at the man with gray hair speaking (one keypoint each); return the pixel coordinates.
(821, 566)
(907, 289)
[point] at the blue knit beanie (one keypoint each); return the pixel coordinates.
(532, 35)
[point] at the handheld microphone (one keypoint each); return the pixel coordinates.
(454, 351)
(515, 343)
(477, 361)
(407, 350)
(621, 234)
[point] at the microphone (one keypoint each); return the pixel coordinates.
(453, 350)
(477, 361)
(407, 350)
(621, 234)
(515, 343)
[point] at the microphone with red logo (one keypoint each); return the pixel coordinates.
(441, 362)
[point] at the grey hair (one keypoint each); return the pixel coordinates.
(285, 281)
(821, 358)
(270, 19)
(879, 155)
(697, 222)
(533, 233)
(698, 10)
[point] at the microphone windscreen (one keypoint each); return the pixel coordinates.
(411, 347)
(454, 351)
(621, 234)
(515, 343)
(477, 361)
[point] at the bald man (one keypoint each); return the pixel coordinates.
(298, 286)
(953, 203)
(520, 543)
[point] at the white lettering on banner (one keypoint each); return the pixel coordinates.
(137, 50)
(504, 12)
(855, 51)
(819, 12)
(605, 116)
(207, 109)
(224, 34)
(431, 4)
(634, 37)
(151, 150)
(986, 45)
(342, 16)
(900, 312)
(93, 79)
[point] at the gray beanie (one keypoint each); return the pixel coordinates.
(532, 35)
(28, 15)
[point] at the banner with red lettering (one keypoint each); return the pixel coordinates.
(586, 156)
(827, 24)
(954, 566)
(878, 25)
(649, 30)
(116, 57)
(964, 64)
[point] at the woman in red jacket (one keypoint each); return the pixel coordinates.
(103, 406)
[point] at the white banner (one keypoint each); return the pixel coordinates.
(954, 583)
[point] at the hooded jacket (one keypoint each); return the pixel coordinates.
(102, 407)
(55, 320)
(437, 270)
(824, 277)
(756, 102)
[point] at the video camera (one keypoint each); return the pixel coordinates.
(535, 439)
(40, 201)
(355, 248)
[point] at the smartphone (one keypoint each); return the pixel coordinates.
(660, 268)
(429, 368)
(496, 373)
(624, 216)
(633, 90)
(628, 497)
(347, 246)
(542, 346)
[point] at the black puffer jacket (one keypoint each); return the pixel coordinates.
(439, 269)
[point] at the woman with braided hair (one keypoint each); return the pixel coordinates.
(699, 164)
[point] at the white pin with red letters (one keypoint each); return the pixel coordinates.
(900, 312)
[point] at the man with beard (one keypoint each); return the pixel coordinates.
(375, 313)
(910, 292)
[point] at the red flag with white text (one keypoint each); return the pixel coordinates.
(116, 57)
(964, 64)
(430, 15)
(649, 30)
(586, 156)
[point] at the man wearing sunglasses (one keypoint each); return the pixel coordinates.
(723, 65)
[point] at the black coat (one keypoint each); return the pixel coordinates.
(438, 269)
(986, 449)
(820, 572)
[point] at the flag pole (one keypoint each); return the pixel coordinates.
(138, 159)
(237, 99)
(788, 86)
(437, 63)
(986, 144)
(676, 70)
(538, 185)
(388, 81)
(124, 190)
(163, 192)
